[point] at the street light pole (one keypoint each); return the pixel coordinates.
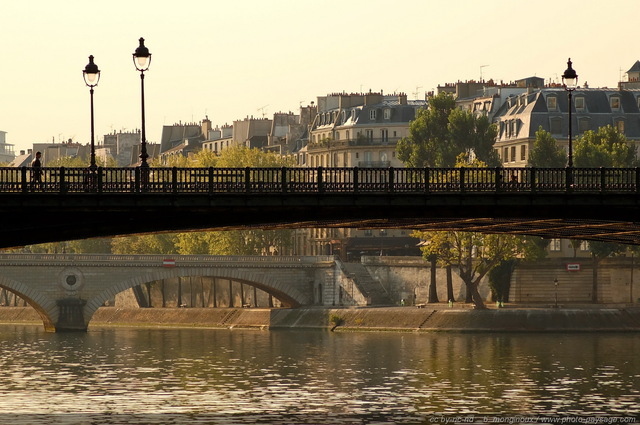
(570, 82)
(142, 60)
(91, 75)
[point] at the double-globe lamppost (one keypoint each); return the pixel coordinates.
(570, 82)
(91, 75)
(142, 60)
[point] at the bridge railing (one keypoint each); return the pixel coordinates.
(316, 180)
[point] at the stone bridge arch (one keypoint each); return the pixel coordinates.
(45, 307)
(271, 283)
(67, 289)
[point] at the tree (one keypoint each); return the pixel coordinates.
(428, 142)
(533, 248)
(471, 133)
(244, 157)
(162, 243)
(606, 147)
(233, 242)
(442, 132)
(474, 255)
(545, 152)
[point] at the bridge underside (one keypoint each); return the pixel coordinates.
(44, 217)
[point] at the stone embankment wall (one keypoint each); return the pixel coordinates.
(362, 319)
(531, 283)
(405, 276)
(617, 281)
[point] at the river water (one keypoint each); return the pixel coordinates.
(149, 376)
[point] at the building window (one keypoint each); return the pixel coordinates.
(620, 126)
(583, 125)
(505, 156)
(353, 114)
(513, 153)
(614, 101)
(368, 232)
(347, 135)
(523, 152)
(584, 246)
(554, 245)
(384, 134)
(369, 135)
(552, 104)
(579, 104)
(344, 159)
(336, 135)
(387, 114)
(344, 116)
(395, 134)
(555, 125)
(372, 114)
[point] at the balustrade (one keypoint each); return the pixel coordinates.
(317, 180)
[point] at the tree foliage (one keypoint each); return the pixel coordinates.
(441, 132)
(160, 243)
(233, 157)
(606, 147)
(545, 152)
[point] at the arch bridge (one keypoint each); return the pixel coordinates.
(67, 289)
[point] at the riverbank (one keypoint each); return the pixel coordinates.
(401, 319)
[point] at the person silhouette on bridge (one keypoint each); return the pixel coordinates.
(36, 173)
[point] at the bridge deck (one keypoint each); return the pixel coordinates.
(62, 204)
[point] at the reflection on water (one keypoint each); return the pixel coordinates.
(244, 376)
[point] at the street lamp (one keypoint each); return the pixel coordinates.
(570, 82)
(555, 283)
(91, 75)
(142, 60)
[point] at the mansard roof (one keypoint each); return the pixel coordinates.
(532, 110)
(400, 112)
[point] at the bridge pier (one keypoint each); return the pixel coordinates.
(71, 317)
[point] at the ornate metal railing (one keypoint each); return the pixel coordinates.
(317, 180)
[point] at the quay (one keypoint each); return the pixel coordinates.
(432, 318)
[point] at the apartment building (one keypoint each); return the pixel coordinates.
(522, 115)
(359, 130)
(7, 153)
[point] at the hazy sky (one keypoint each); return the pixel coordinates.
(232, 59)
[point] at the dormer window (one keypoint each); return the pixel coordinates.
(579, 104)
(387, 114)
(353, 114)
(372, 114)
(614, 101)
(552, 103)
(344, 116)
